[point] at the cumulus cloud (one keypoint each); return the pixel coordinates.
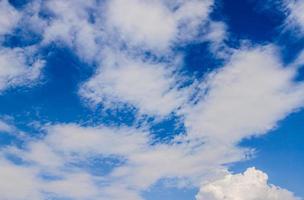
(251, 185)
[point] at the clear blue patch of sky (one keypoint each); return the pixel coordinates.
(246, 19)
(199, 60)
(166, 129)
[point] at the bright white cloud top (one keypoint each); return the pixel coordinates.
(247, 96)
(252, 184)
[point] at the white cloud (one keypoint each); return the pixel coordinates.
(251, 185)
(142, 22)
(71, 24)
(9, 17)
(21, 182)
(16, 68)
(18, 182)
(156, 24)
(246, 97)
(296, 16)
(76, 186)
(150, 87)
(89, 141)
(66, 144)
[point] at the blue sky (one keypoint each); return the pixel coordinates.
(137, 99)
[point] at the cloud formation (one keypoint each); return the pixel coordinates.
(132, 45)
(250, 185)
(198, 156)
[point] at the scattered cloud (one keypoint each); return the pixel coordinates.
(131, 43)
(17, 68)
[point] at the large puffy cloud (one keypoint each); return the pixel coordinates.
(251, 185)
